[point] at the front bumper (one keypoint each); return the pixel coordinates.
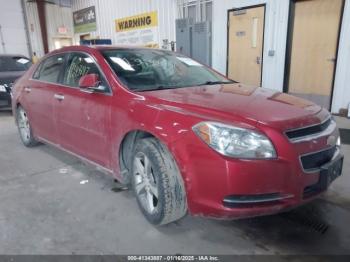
(5, 100)
(227, 188)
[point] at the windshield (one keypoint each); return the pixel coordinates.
(9, 64)
(151, 69)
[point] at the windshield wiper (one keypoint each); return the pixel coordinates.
(216, 83)
(160, 87)
(163, 87)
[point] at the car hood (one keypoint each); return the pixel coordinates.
(10, 77)
(263, 106)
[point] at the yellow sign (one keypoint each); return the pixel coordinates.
(154, 45)
(141, 21)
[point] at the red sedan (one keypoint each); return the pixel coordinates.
(184, 137)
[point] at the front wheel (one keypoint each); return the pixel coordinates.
(157, 183)
(24, 128)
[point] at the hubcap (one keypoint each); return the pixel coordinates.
(23, 125)
(145, 183)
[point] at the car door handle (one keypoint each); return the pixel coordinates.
(59, 97)
(27, 89)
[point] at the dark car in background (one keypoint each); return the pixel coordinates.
(11, 68)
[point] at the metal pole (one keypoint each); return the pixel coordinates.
(40, 4)
(25, 17)
(180, 7)
(2, 41)
(204, 17)
(198, 11)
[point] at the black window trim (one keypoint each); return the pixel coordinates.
(40, 67)
(37, 70)
(67, 54)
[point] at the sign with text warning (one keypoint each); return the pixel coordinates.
(141, 30)
(145, 20)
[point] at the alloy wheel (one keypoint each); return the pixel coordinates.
(145, 183)
(23, 125)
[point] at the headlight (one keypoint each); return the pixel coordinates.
(234, 141)
(2, 88)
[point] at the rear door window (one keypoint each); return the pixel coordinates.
(50, 69)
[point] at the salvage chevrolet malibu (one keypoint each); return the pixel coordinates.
(183, 137)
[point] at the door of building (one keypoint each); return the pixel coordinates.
(313, 44)
(245, 44)
(62, 42)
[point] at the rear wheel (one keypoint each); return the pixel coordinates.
(24, 128)
(157, 183)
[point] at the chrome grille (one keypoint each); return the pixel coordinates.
(325, 128)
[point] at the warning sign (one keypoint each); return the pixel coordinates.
(141, 21)
(141, 30)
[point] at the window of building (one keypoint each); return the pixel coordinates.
(201, 14)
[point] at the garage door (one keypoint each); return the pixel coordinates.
(245, 45)
(313, 53)
(13, 38)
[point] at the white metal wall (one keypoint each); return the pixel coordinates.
(57, 16)
(341, 94)
(109, 10)
(275, 35)
(276, 27)
(34, 28)
(13, 39)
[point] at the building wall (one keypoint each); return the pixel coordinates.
(57, 16)
(275, 34)
(13, 38)
(276, 25)
(34, 28)
(109, 10)
(341, 94)
(276, 28)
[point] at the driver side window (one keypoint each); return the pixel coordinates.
(80, 64)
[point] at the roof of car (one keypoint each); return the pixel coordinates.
(103, 47)
(98, 47)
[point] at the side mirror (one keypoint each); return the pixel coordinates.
(89, 81)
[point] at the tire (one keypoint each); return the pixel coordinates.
(157, 183)
(24, 128)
